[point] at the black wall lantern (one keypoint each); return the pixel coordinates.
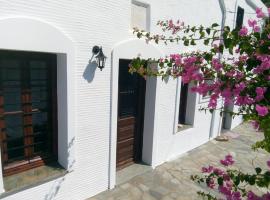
(100, 57)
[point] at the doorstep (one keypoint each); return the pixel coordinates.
(131, 171)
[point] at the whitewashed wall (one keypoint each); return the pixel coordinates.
(107, 23)
(171, 143)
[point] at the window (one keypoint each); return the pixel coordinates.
(239, 17)
(28, 110)
(140, 16)
(186, 109)
(183, 103)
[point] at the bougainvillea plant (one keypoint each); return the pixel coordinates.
(238, 64)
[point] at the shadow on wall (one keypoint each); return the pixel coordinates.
(89, 72)
(53, 191)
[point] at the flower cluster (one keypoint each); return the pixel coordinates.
(241, 79)
(228, 181)
(227, 161)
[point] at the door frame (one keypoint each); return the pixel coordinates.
(129, 49)
(139, 117)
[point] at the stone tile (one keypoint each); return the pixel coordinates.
(143, 187)
(171, 181)
(147, 196)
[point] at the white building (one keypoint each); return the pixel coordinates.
(56, 105)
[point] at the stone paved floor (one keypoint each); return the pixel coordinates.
(171, 180)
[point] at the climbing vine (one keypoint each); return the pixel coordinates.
(237, 61)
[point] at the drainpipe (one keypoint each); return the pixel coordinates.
(223, 9)
(235, 13)
(251, 4)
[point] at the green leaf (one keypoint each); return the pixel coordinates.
(206, 41)
(227, 28)
(236, 180)
(252, 63)
(208, 56)
(227, 42)
(139, 35)
(221, 48)
(231, 50)
(257, 35)
(208, 31)
(192, 42)
(214, 25)
(252, 180)
(258, 170)
(220, 181)
(186, 42)
(202, 34)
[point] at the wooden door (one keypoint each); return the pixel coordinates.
(131, 100)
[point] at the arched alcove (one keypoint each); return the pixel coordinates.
(130, 49)
(34, 35)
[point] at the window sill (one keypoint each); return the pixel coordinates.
(31, 178)
(183, 127)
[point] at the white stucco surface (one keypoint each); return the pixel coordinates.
(88, 114)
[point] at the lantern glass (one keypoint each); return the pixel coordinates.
(101, 59)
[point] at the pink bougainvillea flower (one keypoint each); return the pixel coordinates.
(244, 100)
(211, 183)
(171, 23)
(243, 31)
(268, 9)
(252, 23)
(260, 90)
(227, 191)
(262, 110)
(213, 102)
(256, 29)
(239, 88)
(255, 124)
(252, 196)
(227, 161)
(236, 196)
(207, 169)
(218, 171)
(260, 13)
(216, 64)
(176, 58)
(266, 196)
(227, 178)
(268, 163)
(260, 93)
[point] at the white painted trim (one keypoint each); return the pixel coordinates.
(177, 105)
(31, 34)
(128, 49)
